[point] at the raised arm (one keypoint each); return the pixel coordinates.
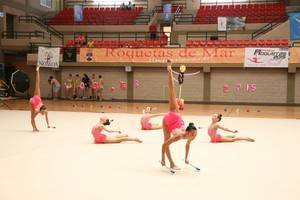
(171, 89)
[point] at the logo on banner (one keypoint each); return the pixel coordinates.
(48, 57)
(266, 57)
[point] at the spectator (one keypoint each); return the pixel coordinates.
(86, 80)
(69, 84)
(101, 86)
(77, 86)
(55, 86)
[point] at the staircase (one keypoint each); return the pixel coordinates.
(47, 28)
(270, 26)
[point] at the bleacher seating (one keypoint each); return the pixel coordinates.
(237, 43)
(98, 16)
(254, 13)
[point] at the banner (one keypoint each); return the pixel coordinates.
(78, 13)
(167, 12)
(160, 55)
(295, 25)
(235, 23)
(70, 54)
(48, 57)
(222, 23)
(266, 57)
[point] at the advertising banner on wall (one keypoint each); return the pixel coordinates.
(78, 13)
(266, 57)
(48, 57)
(160, 55)
(295, 25)
(70, 54)
(222, 23)
(167, 12)
(235, 23)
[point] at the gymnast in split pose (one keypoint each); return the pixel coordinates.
(36, 105)
(216, 137)
(173, 125)
(100, 137)
(147, 116)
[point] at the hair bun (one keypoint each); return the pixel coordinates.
(220, 115)
(191, 124)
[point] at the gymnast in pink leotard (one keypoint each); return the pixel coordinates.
(147, 116)
(216, 137)
(173, 125)
(100, 137)
(36, 104)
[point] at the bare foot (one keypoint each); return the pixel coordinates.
(138, 140)
(250, 140)
(162, 163)
(174, 167)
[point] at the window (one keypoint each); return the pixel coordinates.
(46, 3)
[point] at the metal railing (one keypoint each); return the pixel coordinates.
(33, 46)
(190, 19)
(207, 35)
(117, 36)
(21, 34)
(238, 2)
(38, 21)
(105, 4)
(268, 27)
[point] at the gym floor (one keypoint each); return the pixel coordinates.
(63, 163)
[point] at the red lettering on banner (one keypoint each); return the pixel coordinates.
(121, 53)
(148, 54)
(207, 53)
(109, 51)
(192, 53)
(169, 54)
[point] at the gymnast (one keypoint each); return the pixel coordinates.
(216, 137)
(36, 105)
(173, 125)
(147, 116)
(100, 137)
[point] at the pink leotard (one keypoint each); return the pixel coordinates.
(173, 120)
(98, 136)
(214, 136)
(36, 102)
(145, 122)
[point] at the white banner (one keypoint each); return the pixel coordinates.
(48, 57)
(266, 57)
(222, 23)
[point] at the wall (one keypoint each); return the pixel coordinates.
(271, 85)
(153, 3)
(297, 87)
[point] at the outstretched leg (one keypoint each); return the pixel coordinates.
(230, 139)
(37, 90)
(156, 126)
(119, 139)
(171, 90)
